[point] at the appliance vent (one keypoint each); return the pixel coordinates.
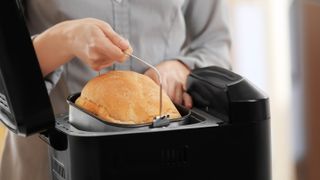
(58, 169)
(4, 103)
(54, 177)
(176, 156)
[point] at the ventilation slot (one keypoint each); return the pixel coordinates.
(174, 157)
(58, 170)
(54, 177)
(4, 103)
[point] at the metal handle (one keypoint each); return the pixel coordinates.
(158, 74)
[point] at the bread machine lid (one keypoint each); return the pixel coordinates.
(25, 107)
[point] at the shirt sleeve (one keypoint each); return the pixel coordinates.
(52, 79)
(208, 35)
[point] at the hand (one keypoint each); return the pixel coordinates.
(174, 76)
(91, 40)
(95, 42)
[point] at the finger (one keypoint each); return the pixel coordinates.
(171, 90)
(184, 86)
(178, 93)
(115, 38)
(98, 64)
(126, 54)
(113, 52)
(95, 67)
(187, 100)
(165, 87)
(152, 74)
(105, 65)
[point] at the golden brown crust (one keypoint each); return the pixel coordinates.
(125, 97)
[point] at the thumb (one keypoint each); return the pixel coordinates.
(114, 37)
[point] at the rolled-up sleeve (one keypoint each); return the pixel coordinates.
(208, 35)
(53, 78)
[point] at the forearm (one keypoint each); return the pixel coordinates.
(91, 40)
(52, 50)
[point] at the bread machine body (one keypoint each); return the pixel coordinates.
(202, 152)
(218, 146)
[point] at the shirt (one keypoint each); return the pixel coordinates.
(196, 32)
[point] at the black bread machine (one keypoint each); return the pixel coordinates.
(225, 136)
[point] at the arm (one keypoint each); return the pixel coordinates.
(208, 44)
(91, 40)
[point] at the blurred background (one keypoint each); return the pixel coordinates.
(276, 45)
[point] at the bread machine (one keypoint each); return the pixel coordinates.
(225, 136)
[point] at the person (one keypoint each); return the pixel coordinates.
(74, 40)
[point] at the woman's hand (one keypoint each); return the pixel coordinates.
(91, 40)
(174, 76)
(94, 42)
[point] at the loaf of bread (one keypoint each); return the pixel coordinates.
(125, 97)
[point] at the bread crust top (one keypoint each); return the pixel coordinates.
(125, 97)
